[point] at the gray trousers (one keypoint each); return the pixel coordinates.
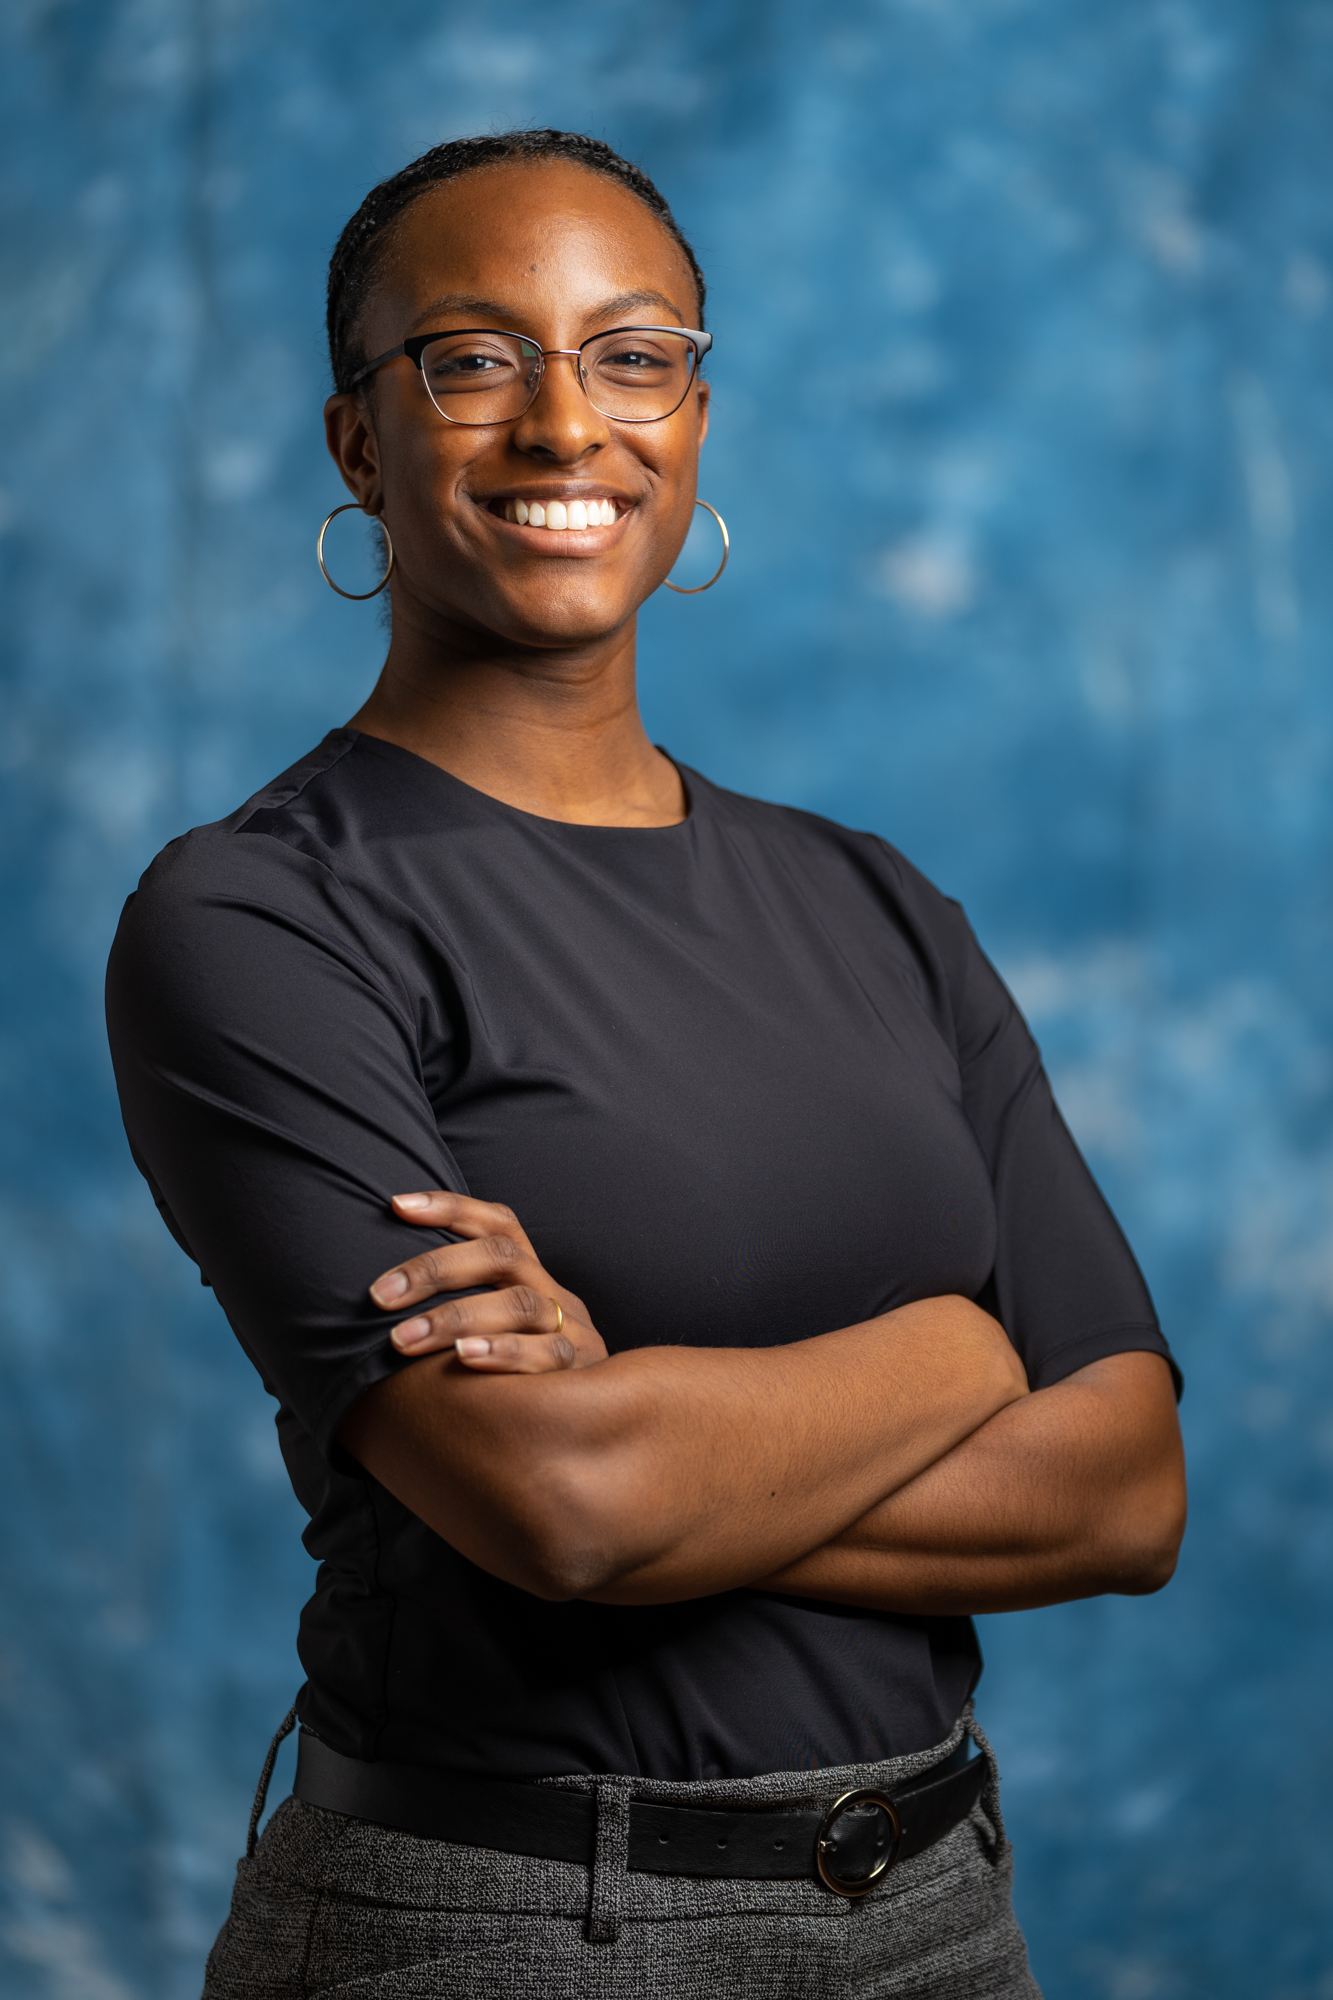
(344, 1910)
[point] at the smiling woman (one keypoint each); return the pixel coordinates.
(683, 1300)
(490, 368)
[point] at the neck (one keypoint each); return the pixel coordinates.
(554, 732)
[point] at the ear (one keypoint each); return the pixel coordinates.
(705, 397)
(354, 448)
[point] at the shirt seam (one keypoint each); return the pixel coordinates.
(266, 802)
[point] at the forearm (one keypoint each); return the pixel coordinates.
(1076, 1490)
(669, 1473)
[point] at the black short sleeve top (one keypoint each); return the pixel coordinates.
(744, 1080)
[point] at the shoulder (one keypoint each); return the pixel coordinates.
(335, 809)
(286, 810)
(260, 928)
(859, 881)
(286, 856)
(837, 856)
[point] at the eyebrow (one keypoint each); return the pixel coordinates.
(493, 309)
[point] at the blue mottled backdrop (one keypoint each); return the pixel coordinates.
(1045, 596)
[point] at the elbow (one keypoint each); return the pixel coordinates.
(562, 1564)
(574, 1535)
(1150, 1571)
(1150, 1549)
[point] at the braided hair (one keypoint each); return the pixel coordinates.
(355, 261)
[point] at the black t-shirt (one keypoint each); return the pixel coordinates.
(744, 1080)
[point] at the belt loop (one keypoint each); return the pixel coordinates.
(610, 1860)
(990, 1795)
(285, 1728)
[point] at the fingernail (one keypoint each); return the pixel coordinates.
(391, 1286)
(473, 1347)
(412, 1200)
(411, 1333)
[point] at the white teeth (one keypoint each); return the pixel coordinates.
(578, 514)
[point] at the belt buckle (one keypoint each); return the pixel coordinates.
(826, 1844)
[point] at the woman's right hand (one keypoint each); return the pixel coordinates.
(526, 1325)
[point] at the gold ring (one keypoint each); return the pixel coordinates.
(559, 1313)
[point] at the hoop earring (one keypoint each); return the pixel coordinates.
(357, 596)
(680, 588)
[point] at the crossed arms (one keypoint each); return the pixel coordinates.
(900, 1464)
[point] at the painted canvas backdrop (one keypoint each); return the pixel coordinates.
(1024, 432)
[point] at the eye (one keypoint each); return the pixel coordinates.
(634, 359)
(457, 364)
(466, 362)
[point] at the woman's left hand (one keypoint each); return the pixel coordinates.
(526, 1325)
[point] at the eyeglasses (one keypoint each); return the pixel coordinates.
(633, 374)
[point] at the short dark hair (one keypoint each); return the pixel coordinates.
(354, 263)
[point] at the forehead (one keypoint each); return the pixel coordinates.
(543, 238)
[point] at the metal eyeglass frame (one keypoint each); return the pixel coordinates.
(415, 347)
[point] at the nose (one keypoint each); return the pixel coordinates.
(560, 425)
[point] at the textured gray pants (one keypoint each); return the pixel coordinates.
(344, 1910)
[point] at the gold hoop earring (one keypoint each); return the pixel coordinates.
(680, 588)
(357, 596)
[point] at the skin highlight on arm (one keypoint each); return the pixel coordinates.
(683, 1466)
(1076, 1491)
(670, 1473)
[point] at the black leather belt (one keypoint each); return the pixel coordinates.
(850, 1844)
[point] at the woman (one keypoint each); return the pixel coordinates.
(684, 1302)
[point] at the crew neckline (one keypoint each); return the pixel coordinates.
(687, 781)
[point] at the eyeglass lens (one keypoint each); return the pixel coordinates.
(489, 378)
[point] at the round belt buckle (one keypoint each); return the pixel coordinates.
(886, 1847)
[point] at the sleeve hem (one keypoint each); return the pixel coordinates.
(1121, 1337)
(368, 1369)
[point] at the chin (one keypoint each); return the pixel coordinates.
(578, 617)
